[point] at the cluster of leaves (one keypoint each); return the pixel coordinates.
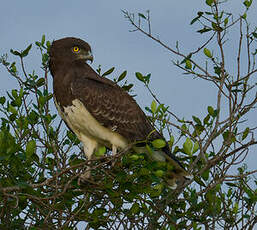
(126, 86)
(217, 142)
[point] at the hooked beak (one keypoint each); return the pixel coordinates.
(89, 57)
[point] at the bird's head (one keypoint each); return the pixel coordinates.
(70, 49)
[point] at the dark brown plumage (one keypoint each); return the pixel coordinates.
(96, 109)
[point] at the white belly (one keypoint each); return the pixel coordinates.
(83, 124)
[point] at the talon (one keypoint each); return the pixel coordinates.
(114, 162)
(84, 177)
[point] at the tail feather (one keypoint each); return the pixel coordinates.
(176, 175)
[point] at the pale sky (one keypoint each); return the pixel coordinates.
(102, 24)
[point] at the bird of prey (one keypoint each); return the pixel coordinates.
(99, 111)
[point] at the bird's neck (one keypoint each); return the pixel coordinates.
(60, 67)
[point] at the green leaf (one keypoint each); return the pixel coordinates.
(205, 175)
(248, 3)
(183, 128)
(206, 119)
(43, 39)
(197, 120)
(245, 133)
(198, 129)
(225, 135)
(134, 157)
(254, 34)
(231, 184)
(21, 92)
(127, 87)
(154, 106)
(144, 172)
(207, 52)
(188, 64)
(140, 77)
(142, 16)
(196, 147)
(101, 151)
(15, 52)
(159, 173)
(2, 100)
(187, 146)
(217, 70)
(244, 16)
(149, 149)
(229, 193)
(226, 21)
(48, 44)
(199, 181)
(15, 93)
(13, 67)
(122, 76)
(108, 72)
(45, 58)
(211, 111)
(196, 18)
(30, 148)
(228, 136)
(171, 141)
(33, 117)
(40, 82)
(235, 208)
(17, 102)
(246, 216)
(38, 44)
(159, 143)
(158, 187)
(186, 58)
(26, 51)
(204, 30)
(12, 110)
(135, 208)
(209, 2)
(216, 27)
(41, 101)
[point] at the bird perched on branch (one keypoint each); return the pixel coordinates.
(97, 110)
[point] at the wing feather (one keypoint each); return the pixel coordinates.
(113, 107)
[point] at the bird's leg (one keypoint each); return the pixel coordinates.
(89, 148)
(114, 152)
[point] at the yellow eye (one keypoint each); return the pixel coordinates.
(76, 49)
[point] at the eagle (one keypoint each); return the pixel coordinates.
(99, 111)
